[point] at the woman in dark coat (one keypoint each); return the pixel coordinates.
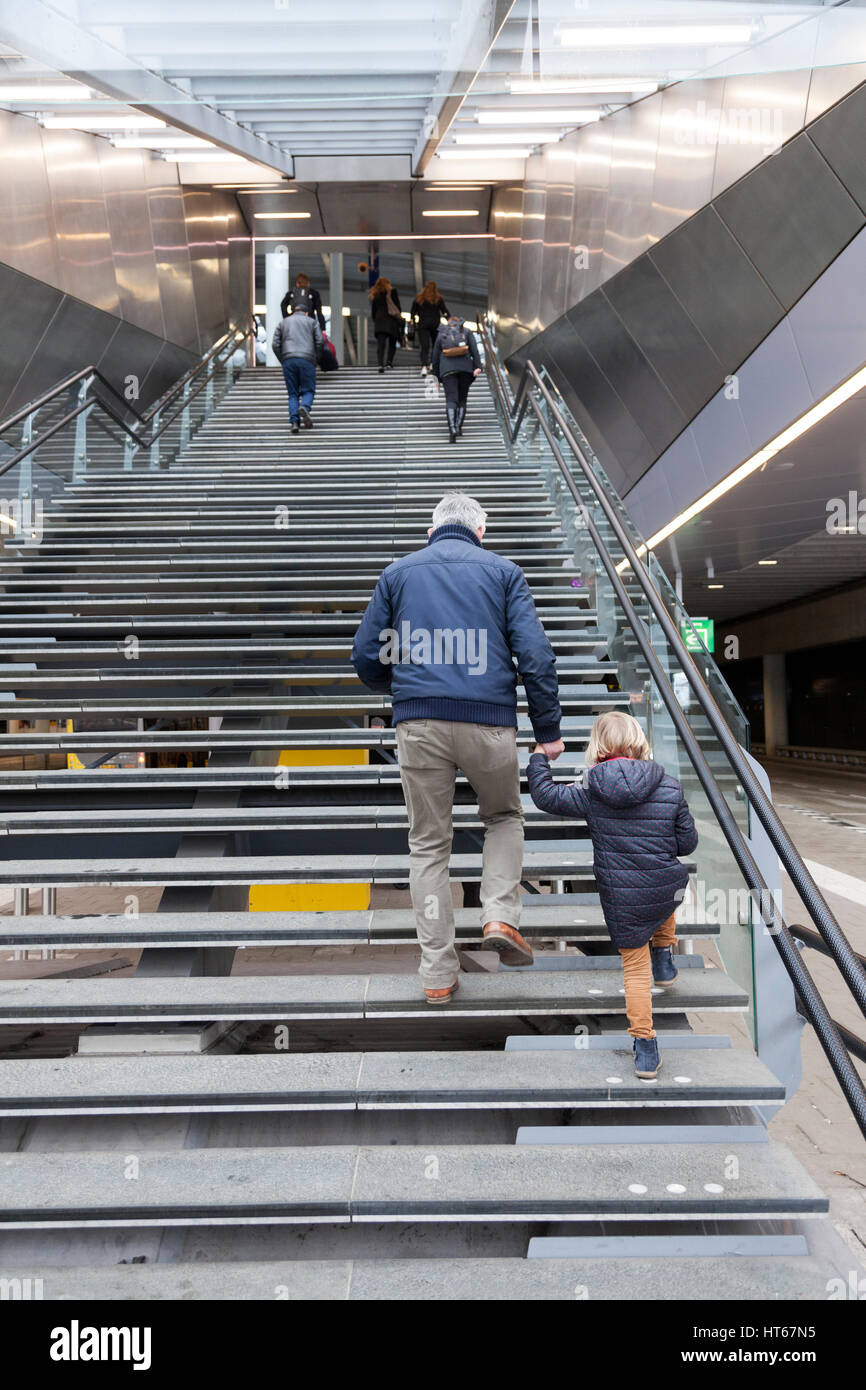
(387, 321)
(428, 309)
(639, 824)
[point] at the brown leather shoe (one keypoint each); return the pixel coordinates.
(513, 950)
(441, 996)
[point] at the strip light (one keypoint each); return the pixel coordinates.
(530, 118)
(292, 216)
(449, 212)
(503, 153)
(35, 93)
(579, 85)
(84, 122)
(800, 426)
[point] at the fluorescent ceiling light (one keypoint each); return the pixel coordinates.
(161, 142)
(346, 311)
(504, 153)
(800, 426)
(36, 93)
(84, 122)
(715, 586)
(768, 562)
(538, 86)
(655, 35)
(527, 137)
(533, 118)
(449, 212)
(281, 215)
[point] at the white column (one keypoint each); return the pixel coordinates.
(276, 280)
(336, 292)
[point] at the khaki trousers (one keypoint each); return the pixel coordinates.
(638, 979)
(431, 751)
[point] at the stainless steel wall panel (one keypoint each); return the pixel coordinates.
(27, 240)
(758, 113)
(633, 157)
(165, 201)
(531, 258)
(686, 158)
(556, 255)
(206, 237)
(132, 250)
(829, 85)
(127, 360)
(718, 286)
(80, 221)
(791, 216)
(592, 186)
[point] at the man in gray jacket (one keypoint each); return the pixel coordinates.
(297, 343)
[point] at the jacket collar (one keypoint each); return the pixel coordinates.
(453, 532)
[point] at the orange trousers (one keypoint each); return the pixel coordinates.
(638, 979)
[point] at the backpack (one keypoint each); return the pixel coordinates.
(300, 300)
(454, 342)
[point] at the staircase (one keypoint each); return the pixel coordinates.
(295, 1114)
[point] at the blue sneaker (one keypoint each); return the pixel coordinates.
(646, 1058)
(664, 970)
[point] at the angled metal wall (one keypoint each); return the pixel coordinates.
(644, 353)
(105, 258)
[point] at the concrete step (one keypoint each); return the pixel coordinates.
(500, 994)
(382, 926)
(95, 1085)
(363, 1185)
(788, 1277)
(557, 862)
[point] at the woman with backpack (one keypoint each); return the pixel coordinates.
(456, 363)
(428, 310)
(387, 319)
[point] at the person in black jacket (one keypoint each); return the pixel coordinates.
(428, 310)
(639, 824)
(387, 319)
(456, 363)
(305, 297)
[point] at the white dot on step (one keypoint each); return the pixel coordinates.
(683, 1080)
(581, 921)
(594, 991)
(637, 1188)
(676, 1187)
(613, 1080)
(655, 991)
(713, 1187)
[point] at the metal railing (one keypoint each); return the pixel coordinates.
(531, 394)
(147, 427)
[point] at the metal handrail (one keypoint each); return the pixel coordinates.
(232, 338)
(840, 947)
(813, 1006)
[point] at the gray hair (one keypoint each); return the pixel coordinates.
(456, 509)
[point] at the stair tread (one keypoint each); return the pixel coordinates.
(396, 1080)
(352, 1183)
(502, 992)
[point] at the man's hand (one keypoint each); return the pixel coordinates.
(550, 750)
(477, 371)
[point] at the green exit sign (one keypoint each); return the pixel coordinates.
(705, 629)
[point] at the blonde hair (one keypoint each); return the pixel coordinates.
(382, 286)
(429, 294)
(616, 734)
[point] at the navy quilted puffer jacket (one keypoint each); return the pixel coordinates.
(639, 823)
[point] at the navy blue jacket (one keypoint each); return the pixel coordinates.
(639, 822)
(442, 633)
